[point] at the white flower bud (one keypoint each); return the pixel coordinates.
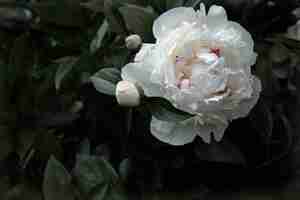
(133, 42)
(128, 94)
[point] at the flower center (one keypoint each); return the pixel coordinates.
(215, 51)
(193, 57)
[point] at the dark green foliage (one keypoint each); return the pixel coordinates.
(64, 137)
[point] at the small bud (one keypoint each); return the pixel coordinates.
(133, 42)
(128, 94)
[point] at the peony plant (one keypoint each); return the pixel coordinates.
(201, 63)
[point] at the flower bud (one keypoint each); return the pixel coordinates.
(133, 42)
(128, 94)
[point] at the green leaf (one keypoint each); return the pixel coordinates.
(47, 144)
(118, 57)
(262, 120)
(22, 59)
(97, 41)
(117, 193)
(124, 168)
(112, 75)
(57, 182)
(62, 13)
(66, 65)
(85, 147)
(100, 193)
(94, 5)
(104, 86)
(113, 17)
(279, 53)
(163, 110)
(23, 191)
(264, 73)
(192, 3)
(224, 152)
(105, 80)
(103, 151)
(25, 140)
(91, 172)
(174, 3)
(7, 141)
(139, 20)
(159, 5)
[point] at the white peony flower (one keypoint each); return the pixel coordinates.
(201, 64)
(128, 94)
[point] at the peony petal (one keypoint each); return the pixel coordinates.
(245, 106)
(216, 16)
(240, 39)
(173, 133)
(205, 134)
(145, 50)
(219, 131)
(215, 126)
(171, 19)
(138, 73)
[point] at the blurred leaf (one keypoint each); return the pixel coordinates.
(114, 18)
(85, 147)
(91, 172)
(223, 151)
(281, 73)
(62, 13)
(290, 43)
(117, 193)
(112, 75)
(14, 17)
(60, 119)
(262, 120)
(25, 139)
(103, 86)
(174, 3)
(209, 3)
(159, 5)
(6, 141)
(279, 53)
(192, 3)
(57, 182)
(5, 185)
(118, 57)
(103, 151)
(105, 80)
(100, 193)
(23, 191)
(65, 66)
(125, 168)
(97, 41)
(46, 144)
(163, 110)
(139, 20)
(264, 73)
(94, 5)
(22, 58)
(289, 133)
